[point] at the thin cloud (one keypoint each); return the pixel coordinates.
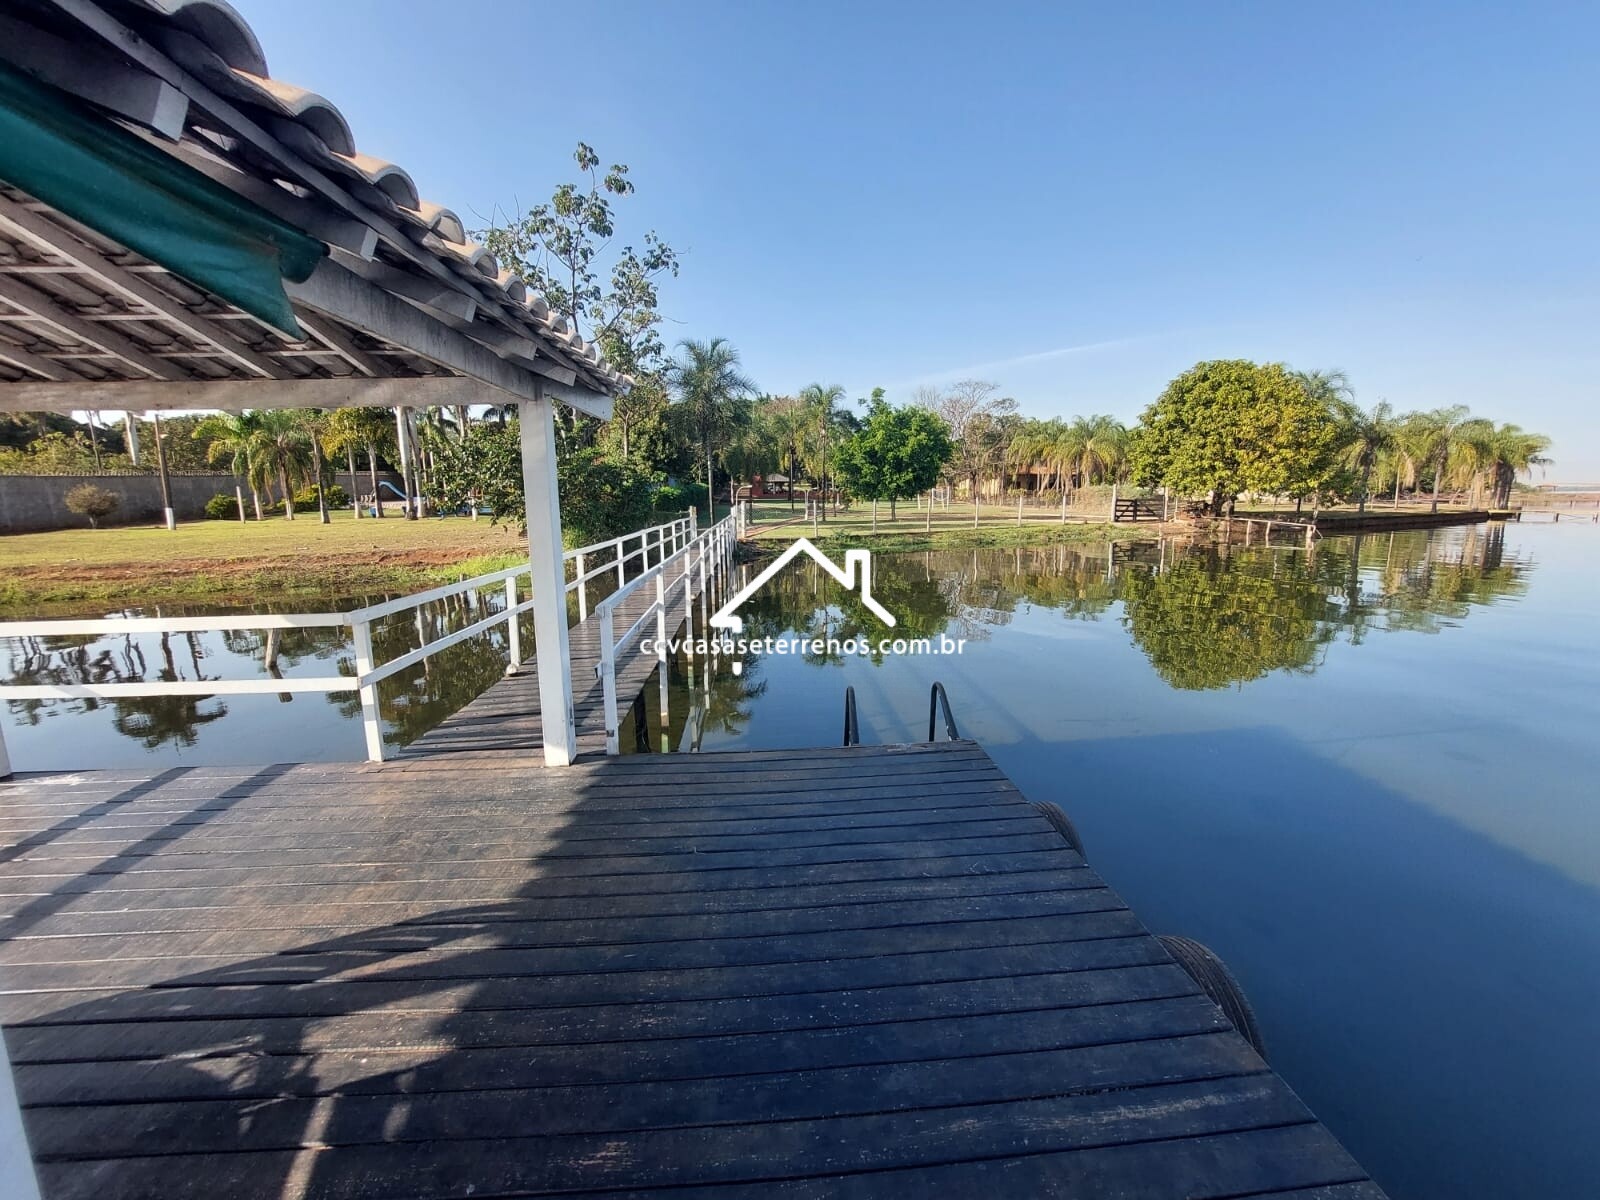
(1038, 356)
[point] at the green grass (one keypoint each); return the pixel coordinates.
(224, 561)
(951, 529)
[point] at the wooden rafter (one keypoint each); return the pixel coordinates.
(236, 395)
(52, 239)
(39, 305)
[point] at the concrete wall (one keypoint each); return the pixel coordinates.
(32, 503)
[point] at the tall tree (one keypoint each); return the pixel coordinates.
(1431, 436)
(981, 425)
(1229, 426)
(280, 442)
(713, 398)
(821, 401)
(1364, 439)
(371, 431)
(897, 453)
(1516, 452)
(232, 438)
(560, 250)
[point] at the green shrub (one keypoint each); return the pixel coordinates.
(222, 507)
(93, 502)
(305, 500)
(675, 497)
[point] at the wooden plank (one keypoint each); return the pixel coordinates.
(337, 1056)
(419, 904)
(705, 975)
(438, 1115)
(742, 1153)
(600, 1023)
(138, 956)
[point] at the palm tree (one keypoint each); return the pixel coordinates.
(280, 442)
(232, 436)
(1365, 438)
(786, 423)
(820, 400)
(1034, 445)
(1435, 434)
(714, 397)
(1102, 443)
(1516, 452)
(366, 429)
(1472, 455)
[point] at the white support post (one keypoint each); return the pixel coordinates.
(583, 590)
(552, 655)
(371, 724)
(694, 523)
(622, 571)
(513, 626)
(5, 759)
(608, 676)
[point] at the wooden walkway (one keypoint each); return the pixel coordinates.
(873, 972)
(506, 716)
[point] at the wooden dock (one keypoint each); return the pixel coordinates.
(865, 972)
(506, 716)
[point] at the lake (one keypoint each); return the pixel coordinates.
(1366, 777)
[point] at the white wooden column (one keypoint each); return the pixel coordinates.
(552, 658)
(17, 1181)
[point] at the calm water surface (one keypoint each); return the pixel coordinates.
(1367, 778)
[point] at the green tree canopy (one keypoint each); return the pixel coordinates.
(1230, 426)
(897, 453)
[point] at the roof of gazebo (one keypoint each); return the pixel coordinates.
(402, 309)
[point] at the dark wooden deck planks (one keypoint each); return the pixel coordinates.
(870, 972)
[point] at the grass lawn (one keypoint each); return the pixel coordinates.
(951, 528)
(226, 560)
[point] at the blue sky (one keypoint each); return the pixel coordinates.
(1074, 201)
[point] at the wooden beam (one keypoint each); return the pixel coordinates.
(90, 73)
(338, 293)
(98, 334)
(237, 394)
(582, 399)
(332, 335)
(525, 351)
(42, 367)
(49, 237)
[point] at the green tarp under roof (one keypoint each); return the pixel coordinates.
(91, 169)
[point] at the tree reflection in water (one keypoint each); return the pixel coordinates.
(1206, 617)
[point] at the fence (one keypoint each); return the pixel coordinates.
(667, 541)
(710, 554)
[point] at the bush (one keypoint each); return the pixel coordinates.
(222, 507)
(305, 500)
(675, 497)
(93, 502)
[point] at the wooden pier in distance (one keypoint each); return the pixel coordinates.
(864, 972)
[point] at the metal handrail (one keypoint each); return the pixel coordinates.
(937, 700)
(852, 732)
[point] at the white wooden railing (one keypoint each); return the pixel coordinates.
(707, 555)
(656, 544)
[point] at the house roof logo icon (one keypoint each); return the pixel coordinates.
(857, 566)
